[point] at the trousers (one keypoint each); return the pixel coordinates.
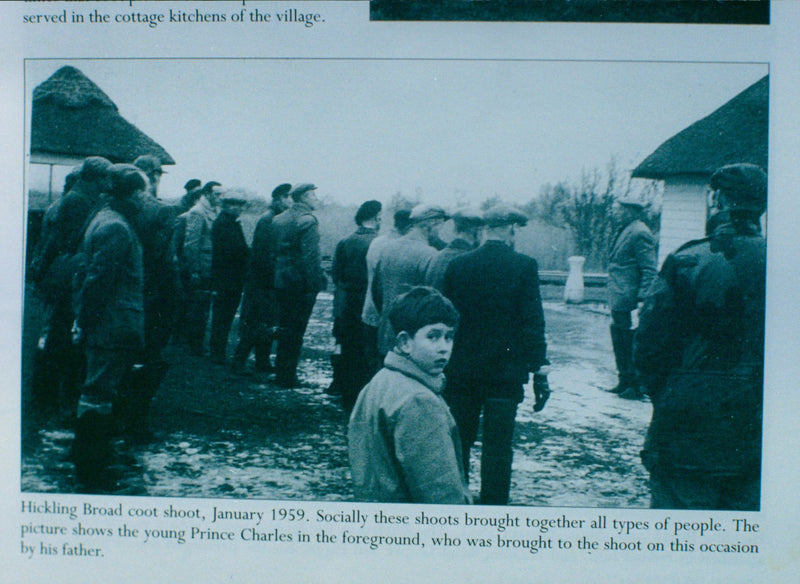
(295, 310)
(499, 416)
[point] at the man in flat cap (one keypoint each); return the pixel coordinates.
(351, 370)
(229, 259)
(467, 226)
(53, 271)
(499, 342)
(298, 277)
(369, 313)
(190, 196)
(403, 264)
(109, 318)
(260, 312)
(196, 262)
(700, 350)
(150, 165)
(631, 270)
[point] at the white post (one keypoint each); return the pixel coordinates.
(573, 290)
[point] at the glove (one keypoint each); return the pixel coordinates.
(541, 391)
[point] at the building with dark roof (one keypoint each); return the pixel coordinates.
(735, 132)
(72, 118)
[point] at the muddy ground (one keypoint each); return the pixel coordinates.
(223, 435)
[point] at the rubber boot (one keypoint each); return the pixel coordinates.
(91, 449)
(622, 342)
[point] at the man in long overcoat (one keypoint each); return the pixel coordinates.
(631, 270)
(259, 318)
(109, 317)
(298, 278)
(499, 342)
(58, 365)
(351, 370)
(228, 269)
(700, 348)
(197, 252)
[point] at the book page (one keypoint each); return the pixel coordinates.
(556, 108)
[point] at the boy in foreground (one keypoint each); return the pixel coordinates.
(404, 444)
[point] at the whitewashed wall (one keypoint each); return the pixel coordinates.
(683, 212)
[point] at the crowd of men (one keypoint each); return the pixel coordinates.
(121, 273)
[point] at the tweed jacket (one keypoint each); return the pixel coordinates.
(404, 263)
(631, 266)
(109, 304)
(297, 256)
(197, 247)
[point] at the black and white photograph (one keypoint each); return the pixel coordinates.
(378, 290)
(519, 282)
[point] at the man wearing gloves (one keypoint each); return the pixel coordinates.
(499, 343)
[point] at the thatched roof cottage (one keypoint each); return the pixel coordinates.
(72, 118)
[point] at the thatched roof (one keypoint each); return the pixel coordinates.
(736, 132)
(73, 117)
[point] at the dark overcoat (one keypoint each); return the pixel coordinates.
(700, 350)
(500, 337)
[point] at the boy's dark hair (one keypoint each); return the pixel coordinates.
(419, 307)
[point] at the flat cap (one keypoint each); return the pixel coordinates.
(192, 184)
(281, 190)
(368, 210)
(94, 168)
(232, 198)
(426, 211)
(745, 184)
(466, 218)
(148, 163)
(503, 214)
(301, 188)
(126, 179)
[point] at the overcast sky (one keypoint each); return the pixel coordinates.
(445, 130)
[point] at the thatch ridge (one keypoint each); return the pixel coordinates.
(735, 132)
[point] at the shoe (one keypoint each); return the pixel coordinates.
(620, 388)
(632, 392)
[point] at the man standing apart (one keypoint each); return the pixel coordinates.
(700, 348)
(298, 278)
(631, 270)
(351, 371)
(260, 307)
(499, 343)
